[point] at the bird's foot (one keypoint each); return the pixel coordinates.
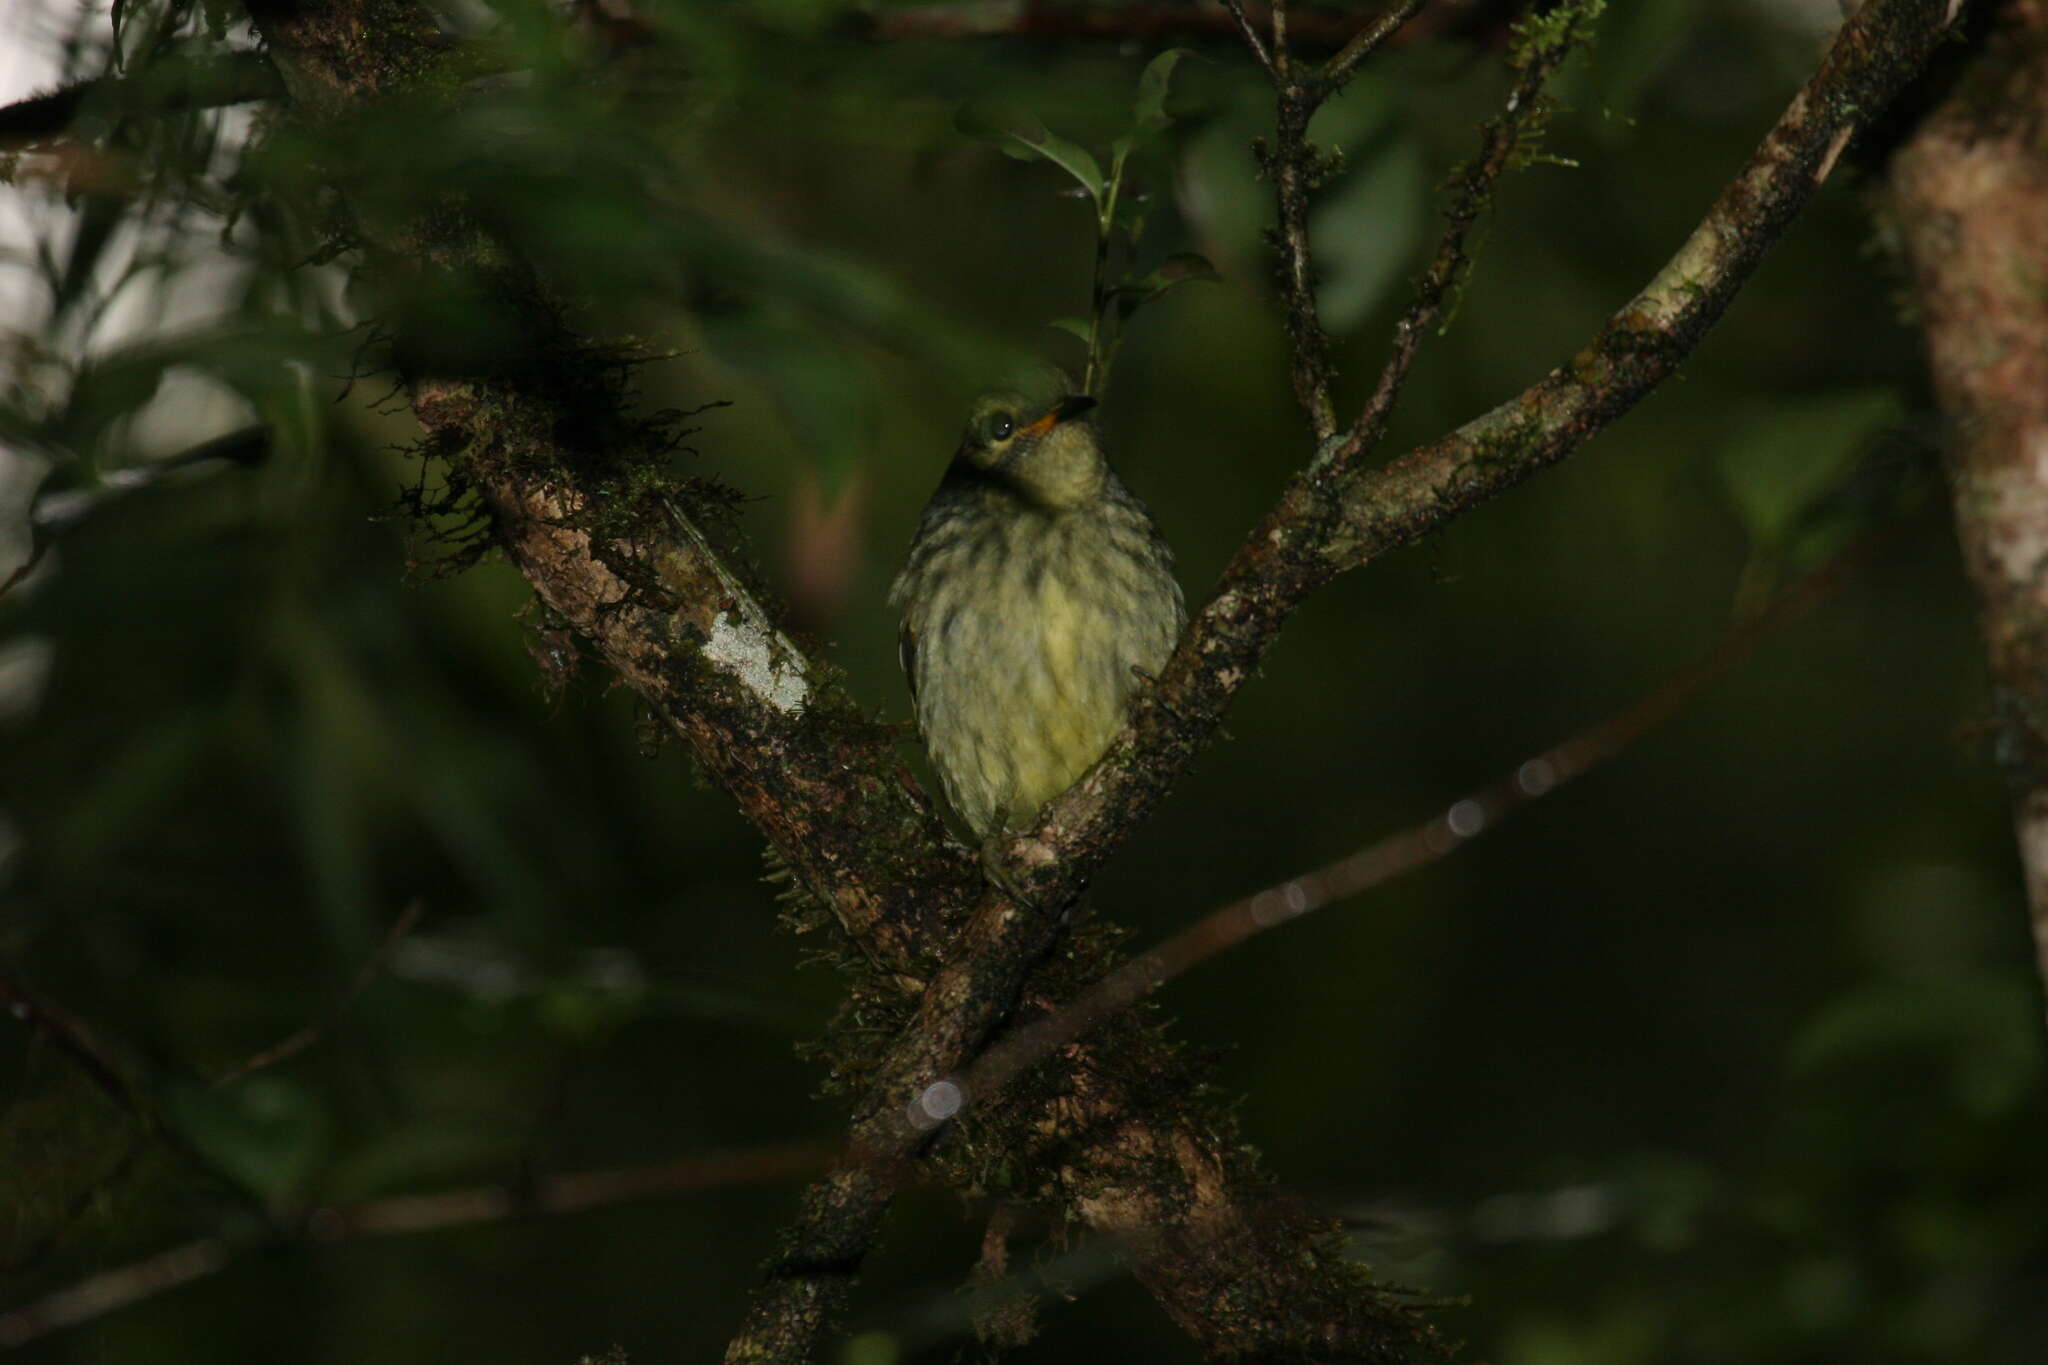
(996, 869)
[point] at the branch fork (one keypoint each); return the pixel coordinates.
(1247, 1275)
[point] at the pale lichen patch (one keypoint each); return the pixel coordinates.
(2015, 511)
(748, 655)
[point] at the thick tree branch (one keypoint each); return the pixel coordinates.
(543, 447)
(825, 787)
(1248, 1274)
(1871, 59)
(1321, 528)
(1332, 519)
(1335, 517)
(1970, 195)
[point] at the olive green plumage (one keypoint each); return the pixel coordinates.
(1036, 592)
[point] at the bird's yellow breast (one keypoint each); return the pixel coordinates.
(1029, 633)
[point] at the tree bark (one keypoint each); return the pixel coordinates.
(1970, 193)
(1118, 1135)
(1115, 1134)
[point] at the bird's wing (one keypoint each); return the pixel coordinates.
(906, 654)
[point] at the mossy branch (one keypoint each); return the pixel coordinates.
(1335, 516)
(614, 550)
(1249, 1274)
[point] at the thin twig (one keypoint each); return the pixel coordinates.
(39, 545)
(1296, 169)
(101, 1294)
(319, 1028)
(1292, 164)
(574, 1192)
(73, 1036)
(1250, 33)
(1367, 41)
(1397, 854)
(1448, 268)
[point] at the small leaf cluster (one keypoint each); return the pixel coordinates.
(1120, 217)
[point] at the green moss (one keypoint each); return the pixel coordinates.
(1549, 36)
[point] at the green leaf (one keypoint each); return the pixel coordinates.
(824, 398)
(1009, 125)
(1075, 327)
(1148, 111)
(1366, 232)
(1638, 43)
(1075, 161)
(1018, 132)
(1183, 267)
(1973, 1035)
(1786, 456)
(833, 295)
(266, 1134)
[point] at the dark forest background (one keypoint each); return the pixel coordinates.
(1730, 1052)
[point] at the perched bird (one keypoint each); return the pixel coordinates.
(1036, 596)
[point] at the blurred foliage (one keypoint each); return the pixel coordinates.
(1730, 1052)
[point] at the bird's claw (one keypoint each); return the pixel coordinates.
(997, 870)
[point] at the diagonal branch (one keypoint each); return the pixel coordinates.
(1334, 517)
(1320, 528)
(291, 1046)
(664, 611)
(1326, 523)
(74, 1038)
(825, 786)
(1367, 41)
(1871, 59)
(569, 1192)
(1250, 33)
(1245, 1276)
(1397, 854)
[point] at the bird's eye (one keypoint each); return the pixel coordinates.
(999, 427)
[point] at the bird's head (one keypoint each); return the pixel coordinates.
(1048, 454)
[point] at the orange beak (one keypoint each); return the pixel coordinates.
(1073, 405)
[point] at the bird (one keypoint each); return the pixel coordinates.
(1036, 596)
